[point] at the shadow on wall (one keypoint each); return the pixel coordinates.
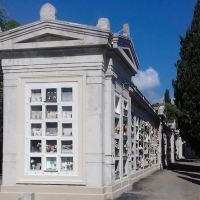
(166, 149)
(187, 151)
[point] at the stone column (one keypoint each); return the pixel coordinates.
(95, 129)
(160, 130)
(109, 126)
(180, 148)
(172, 146)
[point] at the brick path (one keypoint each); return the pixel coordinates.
(180, 182)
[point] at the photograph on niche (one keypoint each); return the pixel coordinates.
(66, 94)
(67, 111)
(67, 129)
(36, 95)
(36, 129)
(36, 146)
(51, 128)
(51, 95)
(35, 163)
(66, 163)
(52, 112)
(51, 146)
(67, 146)
(36, 112)
(51, 163)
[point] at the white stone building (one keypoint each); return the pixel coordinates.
(74, 124)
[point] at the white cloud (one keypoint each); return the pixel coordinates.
(147, 79)
(152, 97)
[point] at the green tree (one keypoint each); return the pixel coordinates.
(167, 97)
(2, 17)
(10, 24)
(187, 84)
(171, 113)
(155, 105)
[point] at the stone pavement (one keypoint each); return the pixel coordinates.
(180, 182)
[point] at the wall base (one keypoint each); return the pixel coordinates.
(59, 192)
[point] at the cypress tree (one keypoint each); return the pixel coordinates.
(167, 97)
(187, 84)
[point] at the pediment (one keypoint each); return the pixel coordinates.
(126, 49)
(53, 34)
(48, 37)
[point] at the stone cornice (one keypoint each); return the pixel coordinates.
(55, 24)
(142, 104)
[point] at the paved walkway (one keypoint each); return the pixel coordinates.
(180, 182)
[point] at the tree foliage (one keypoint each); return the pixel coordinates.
(155, 104)
(6, 23)
(171, 110)
(167, 97)
(187, 83)
(2, 16)
(171, 113)
(10, 24)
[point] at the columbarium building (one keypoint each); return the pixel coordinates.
(75, 126)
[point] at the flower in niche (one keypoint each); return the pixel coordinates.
(117, 129)
(125, 148)
(140, 148)
(39, 144)
(125, 128)
(116, 145)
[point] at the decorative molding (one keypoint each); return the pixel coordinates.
(130, 89)
(104, 23)
(110, 74)
(126, 30)
(48, 12)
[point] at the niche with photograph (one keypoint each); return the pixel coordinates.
(66, 163)
(36, 95)
(51, 146)
(51, 129)
(36, 129)
(66, 94)
(67, 146)
(67, 129)
(36, 112)
(67, 111)
(35, 163)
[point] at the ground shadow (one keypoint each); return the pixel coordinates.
(190, 180)
(186, 169)
(183, 167)
(197, 176)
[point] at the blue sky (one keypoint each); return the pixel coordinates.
(155, 27)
